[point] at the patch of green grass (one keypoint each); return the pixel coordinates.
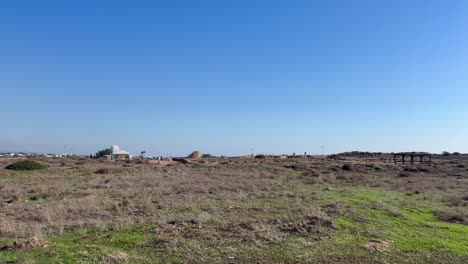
(93, 245)
(417, 235)
(417, 229)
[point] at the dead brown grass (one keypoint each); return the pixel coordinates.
(214, 200)
(37, 204)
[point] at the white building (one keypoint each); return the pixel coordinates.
(118, 154)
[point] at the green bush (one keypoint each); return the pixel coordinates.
(26, 165)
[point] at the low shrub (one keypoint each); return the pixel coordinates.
(411, 169)
(423, 169)
(26, 165)
(310, 173)
(395, 212)
(341, 177)
(181, 160)
(404, 174)
(104, 171)
(347, 167)
(453, 215)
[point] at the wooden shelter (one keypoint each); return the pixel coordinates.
(412, 157)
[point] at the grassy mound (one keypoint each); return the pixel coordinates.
(26, 165)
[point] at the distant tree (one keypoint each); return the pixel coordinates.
(456, 153)
(103, 153)
(445, 153)
(207, 156)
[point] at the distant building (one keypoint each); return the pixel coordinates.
(118, 154)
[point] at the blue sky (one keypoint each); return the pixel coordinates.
(226, 77)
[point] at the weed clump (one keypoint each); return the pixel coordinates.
(26, 165)
(453, 215)
(375, 167)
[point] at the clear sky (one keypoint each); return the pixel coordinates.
(228, 77)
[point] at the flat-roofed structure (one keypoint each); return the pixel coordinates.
(118, 154)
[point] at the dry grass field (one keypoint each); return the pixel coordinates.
(315, 210)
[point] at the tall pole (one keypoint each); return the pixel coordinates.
(322, 150)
